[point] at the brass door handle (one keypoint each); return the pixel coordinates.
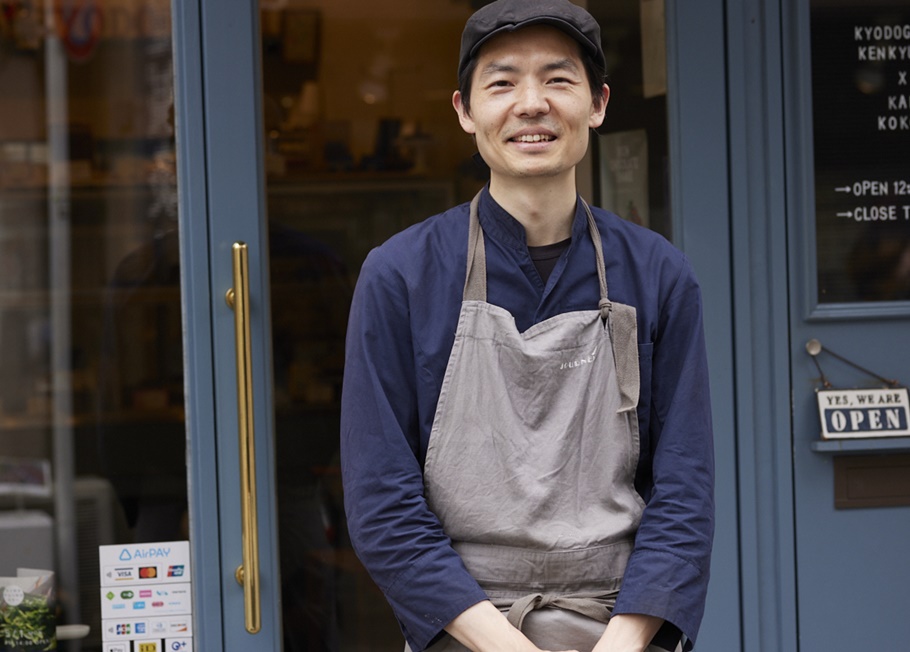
(248, 573)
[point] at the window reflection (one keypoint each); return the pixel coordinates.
(861, 135)
(632, 146)
(91, 385)
(879, 263)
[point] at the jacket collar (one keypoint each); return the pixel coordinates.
(499, 224)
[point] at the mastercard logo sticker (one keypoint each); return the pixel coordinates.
(148, 572)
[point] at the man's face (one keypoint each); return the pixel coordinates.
(531, 104)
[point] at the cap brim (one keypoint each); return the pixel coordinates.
(552, 21)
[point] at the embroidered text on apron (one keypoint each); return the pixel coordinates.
(532, 456)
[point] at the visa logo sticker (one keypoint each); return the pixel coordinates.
(122, 574)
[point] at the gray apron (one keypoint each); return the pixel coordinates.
(532, 458)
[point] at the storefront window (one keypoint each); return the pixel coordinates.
(92, 435)
(633, 178)
(861, 109)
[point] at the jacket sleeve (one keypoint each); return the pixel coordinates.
(667, 574)
(396, 536)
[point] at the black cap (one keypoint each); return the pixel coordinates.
(509, 15)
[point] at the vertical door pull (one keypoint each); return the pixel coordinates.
(248, 573)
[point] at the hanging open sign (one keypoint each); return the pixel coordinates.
(863, 413)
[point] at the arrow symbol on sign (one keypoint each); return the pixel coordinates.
(843, 189)
(847, 214)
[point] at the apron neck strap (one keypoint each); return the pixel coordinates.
(604, 304)
(475, 285)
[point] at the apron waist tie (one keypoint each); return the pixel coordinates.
(586, 606)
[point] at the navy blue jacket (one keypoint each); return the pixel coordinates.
(402, 326)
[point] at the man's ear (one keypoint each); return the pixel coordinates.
(464, 118)
(599, 109)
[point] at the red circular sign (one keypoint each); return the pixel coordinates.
(79, 25)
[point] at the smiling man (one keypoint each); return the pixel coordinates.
(526, 432)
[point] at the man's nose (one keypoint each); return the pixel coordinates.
(532, 101)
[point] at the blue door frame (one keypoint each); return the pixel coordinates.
(760, 305)
(700, 203)
(222, 202)
(198, 353)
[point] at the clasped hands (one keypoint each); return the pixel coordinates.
(483, 628)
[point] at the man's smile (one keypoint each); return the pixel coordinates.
(533, 138)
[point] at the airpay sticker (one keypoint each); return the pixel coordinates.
(146, 597)
(149, 563)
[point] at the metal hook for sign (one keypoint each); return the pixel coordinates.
(814, 348)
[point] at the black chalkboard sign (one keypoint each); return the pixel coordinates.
(861, 115)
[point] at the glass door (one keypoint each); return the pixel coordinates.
(92, 419)
(359, 141)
